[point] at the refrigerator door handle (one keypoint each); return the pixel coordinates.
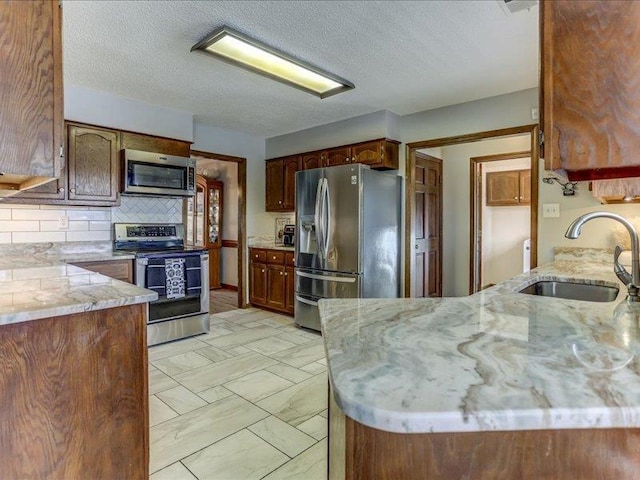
(326, 277)
(326, 213)
(308, 302)
(317, 215)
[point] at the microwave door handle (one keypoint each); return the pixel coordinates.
(316, 217)
(326, 212)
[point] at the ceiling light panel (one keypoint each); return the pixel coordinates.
(233, 47)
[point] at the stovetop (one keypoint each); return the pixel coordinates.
(152, 240)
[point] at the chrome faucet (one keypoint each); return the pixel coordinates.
(632, 281)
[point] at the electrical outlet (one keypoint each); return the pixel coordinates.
(63, 223)
(550, 210)
(535, 114)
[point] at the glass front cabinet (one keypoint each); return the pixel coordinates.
(204, 223)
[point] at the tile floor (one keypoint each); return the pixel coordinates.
(246, 401)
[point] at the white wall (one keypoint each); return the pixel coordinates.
(106, 109)
(504, 229)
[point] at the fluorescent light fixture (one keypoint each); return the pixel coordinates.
(237, 49)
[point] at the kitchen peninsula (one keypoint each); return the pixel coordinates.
(73, 381)
(499, 384)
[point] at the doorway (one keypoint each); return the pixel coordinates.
(500, 213)
(456, 239)
(232, 172)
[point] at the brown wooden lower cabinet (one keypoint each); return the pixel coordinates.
(118, 269)
(74, 396)
(358, 452)
(271, 282)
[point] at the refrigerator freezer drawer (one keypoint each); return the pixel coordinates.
(327, 284)
(307, 313)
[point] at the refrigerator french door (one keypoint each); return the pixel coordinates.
(347, 237)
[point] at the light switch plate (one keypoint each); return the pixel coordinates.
(551, 210)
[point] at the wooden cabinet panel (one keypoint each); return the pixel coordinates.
(74, 396)
(118, 269)
(290, 166)
(274, 187)
(379, 154)
(214, 268)
(30, 90)
(511, 187)
(311, 160)
(257, 283)
(150, 143)
(617, 190)
(337, 156)
(276, 286)
(275, 256)
(258, 255)
(591, 101)
(290, 286)
(93, 163)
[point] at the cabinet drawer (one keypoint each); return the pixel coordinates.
(118, 269)
(275, 256)
(258, 255)
(289, 259)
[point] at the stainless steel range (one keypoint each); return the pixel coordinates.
(178, 274)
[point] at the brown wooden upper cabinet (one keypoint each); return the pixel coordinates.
(336, 156)
(280, 188)
(31, 105)
(380, 154)
(311, 160)
(511, 187)
(590, 97)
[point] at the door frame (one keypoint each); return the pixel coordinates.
(475, 209)
(410, 163)
(242, 218)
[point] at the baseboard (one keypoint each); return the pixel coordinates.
(230, 287)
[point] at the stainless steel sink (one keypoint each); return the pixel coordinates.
(572, 291)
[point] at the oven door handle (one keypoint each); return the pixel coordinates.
(308, 302)
(326, 277)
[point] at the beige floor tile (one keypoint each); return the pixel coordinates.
(314, 368)
(152, 368)
(300, 402)
(290, 373)
(181, 400)
(309, 465)
(158, 382)
(159, 411)
(176, 471)
(214, 354)
(228, 325)
(324, 413)
(301, 354)
(181, 436)
(238, 350)
(322, 361)
(241, 456)
(174, 348)
(315, 426)
(215, 332)
(295, 338)
(203, 378)
(269, 346)
(182, 362)
(281, 435)
(277, 322)
(258, 385)
(214, 394)
(243, 337)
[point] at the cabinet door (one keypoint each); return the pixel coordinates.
(214, 268)
(93, 163)
(290, 166)
(150, 143)
(276, 286)
(257, 283)
(337, 156)
(312, 160)
(591, 99)
(525, 186)
(290, 298)
(503, 188)
(32, 133)
(274, 175)
(370, 153)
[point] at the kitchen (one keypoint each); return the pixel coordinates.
(113, 107)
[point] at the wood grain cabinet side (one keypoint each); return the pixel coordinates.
(378, 154)
(337, 156)
(312, 160)
(590, 97)
(280, 183)
(118, 269)
(31, 94)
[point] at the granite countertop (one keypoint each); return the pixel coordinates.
(496, 360)
(38, 281)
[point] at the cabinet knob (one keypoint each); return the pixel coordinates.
(256, 256)
(515, 198)
(61, 189)
(417, 247)
(263, 270)
(279, 202)
(285, 274)
(281, 273)
(274, 257)
(72, 190)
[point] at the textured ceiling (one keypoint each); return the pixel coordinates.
(402, 56)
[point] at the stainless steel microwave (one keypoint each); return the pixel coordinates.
(147, 173)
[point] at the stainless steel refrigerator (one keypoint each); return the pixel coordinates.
(347, 237)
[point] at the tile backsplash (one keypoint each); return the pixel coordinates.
(41, 223)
